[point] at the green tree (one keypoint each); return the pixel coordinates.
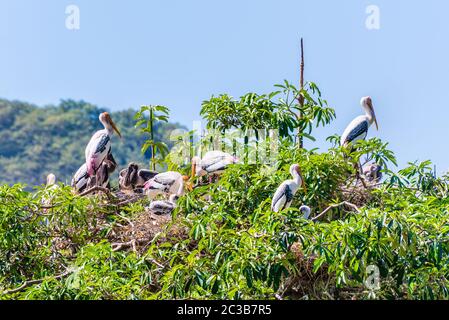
(147, 126)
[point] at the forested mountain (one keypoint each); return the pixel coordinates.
(35, 141)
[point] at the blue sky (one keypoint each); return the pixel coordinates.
(179, 53)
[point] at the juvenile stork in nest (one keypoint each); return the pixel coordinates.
(133, 178)
(166, 183)
(284, 194)
(163, 207)
(213, 164)
(373, 172)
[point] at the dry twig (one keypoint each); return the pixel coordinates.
(353, 206)
(29, 283)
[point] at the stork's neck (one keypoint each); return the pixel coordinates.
(107, 127)
(369, 114)
(296, 177)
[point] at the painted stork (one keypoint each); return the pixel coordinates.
(213, 164)
(50, 187)
(372, 172)
(82, 181)
(358, 128)
(163, 207)
(99, 146)
(305, 210)
(167, 183)
(133, 178)
(283, 196)
(51, 181)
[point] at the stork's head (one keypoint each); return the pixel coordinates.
(305, 210)
(51, 179)
(295, 171)
(367, 104)
(106, 120)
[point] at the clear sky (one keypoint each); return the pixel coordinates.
(179, 53)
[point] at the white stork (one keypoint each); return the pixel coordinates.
(163, 207)
(133, 178)
(283, 197)
(99, 146)
(167, 183)
(213, 163)
(358, 128)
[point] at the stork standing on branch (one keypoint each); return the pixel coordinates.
(99, 146)
(283, 197)
(358, 128)
(133, 178)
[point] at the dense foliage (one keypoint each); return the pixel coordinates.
(224, 242)
(36, 141)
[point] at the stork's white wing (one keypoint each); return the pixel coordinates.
(97, 150)
(356, 130)
(167, 178)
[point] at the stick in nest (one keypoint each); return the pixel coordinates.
(96, 189)
(353, 206)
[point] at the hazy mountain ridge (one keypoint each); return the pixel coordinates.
(35, 141)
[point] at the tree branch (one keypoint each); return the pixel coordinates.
(353, 206)
(300, 96)
(29, 283)
(96, 189)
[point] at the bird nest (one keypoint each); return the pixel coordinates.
(359, 194)
(144, 230)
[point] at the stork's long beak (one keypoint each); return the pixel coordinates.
(375, 121)
(303, 183)
(374, 114)
(116, 129)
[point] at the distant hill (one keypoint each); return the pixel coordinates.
(35, 141)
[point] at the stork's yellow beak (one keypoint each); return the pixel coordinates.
(304, 187)
(116, 129)
(370, 104)
(303, 183)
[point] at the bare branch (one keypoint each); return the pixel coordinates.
(96, 189)
(29, 283)
(353, 206)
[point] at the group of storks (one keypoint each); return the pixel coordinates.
(100, 163)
